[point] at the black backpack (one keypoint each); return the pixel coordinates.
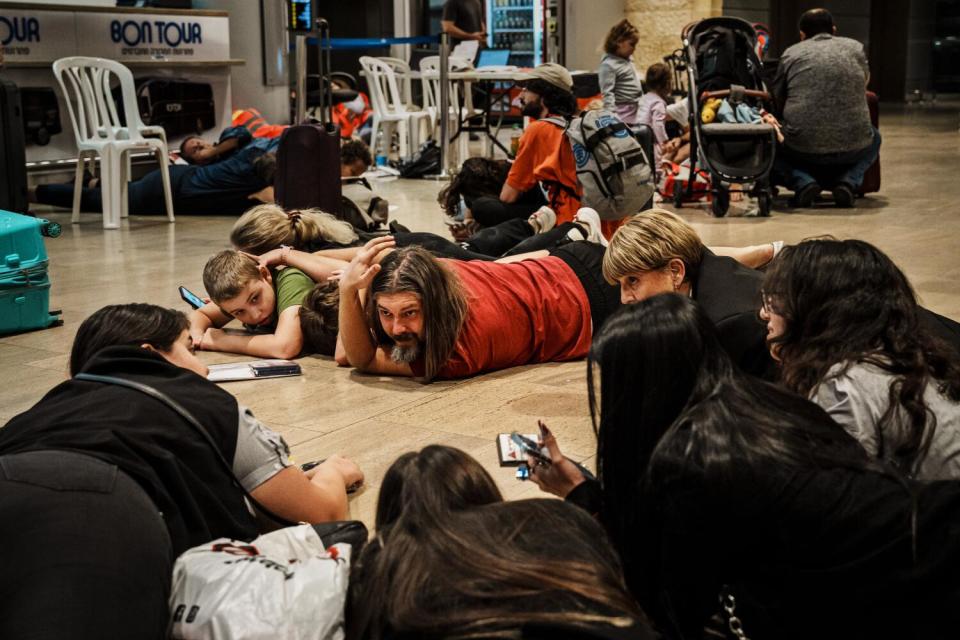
(725, 57)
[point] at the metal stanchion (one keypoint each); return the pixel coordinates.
(444, 109)
(300, 59)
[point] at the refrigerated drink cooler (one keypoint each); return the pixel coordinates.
(517, 26)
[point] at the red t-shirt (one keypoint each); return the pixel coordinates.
(546, 156)
(519, 313)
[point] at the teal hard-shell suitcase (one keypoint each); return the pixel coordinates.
(24, 283)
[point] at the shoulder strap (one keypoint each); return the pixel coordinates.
(560, 122)
(158, 395)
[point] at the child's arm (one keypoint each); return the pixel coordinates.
(207, 316)
(285, 343)
(318, 267)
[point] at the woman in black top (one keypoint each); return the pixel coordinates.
(710, 478)
(102, 486)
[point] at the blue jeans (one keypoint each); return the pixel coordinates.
(795, 169)
(145, 196)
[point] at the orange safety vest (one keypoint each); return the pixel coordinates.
(349, 121)
(255, 124)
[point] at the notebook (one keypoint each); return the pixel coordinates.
(253, 370)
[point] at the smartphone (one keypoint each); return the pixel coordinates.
(191, 298)
(530, 448)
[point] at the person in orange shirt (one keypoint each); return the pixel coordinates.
(545, 158)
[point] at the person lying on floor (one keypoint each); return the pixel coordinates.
(266, 227)
(103, 486)
(224, 180)
(438, 318)
(267, 301)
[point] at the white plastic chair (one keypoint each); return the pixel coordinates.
(401, 69)
(85, 83)
(460, 105)
(389, 109)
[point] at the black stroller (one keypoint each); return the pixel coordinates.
(722, 65)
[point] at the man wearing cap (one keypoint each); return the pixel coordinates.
(544, 156)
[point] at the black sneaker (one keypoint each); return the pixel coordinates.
(843, 196)
(804, 198)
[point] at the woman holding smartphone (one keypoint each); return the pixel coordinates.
(103, 485)
(713, 484)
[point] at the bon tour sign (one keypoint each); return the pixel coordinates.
(44, 36)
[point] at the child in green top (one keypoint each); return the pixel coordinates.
(267, 301)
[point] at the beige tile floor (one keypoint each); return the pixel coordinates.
(915, 218)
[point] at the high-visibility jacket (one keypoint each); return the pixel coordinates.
(254, 122)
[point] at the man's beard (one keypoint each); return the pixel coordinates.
(405, 354)
(532, 109)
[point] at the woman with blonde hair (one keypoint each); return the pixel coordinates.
(268, 226)
(619, 82)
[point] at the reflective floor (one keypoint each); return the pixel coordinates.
(914, 218)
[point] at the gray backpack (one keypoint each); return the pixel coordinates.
(614, 171)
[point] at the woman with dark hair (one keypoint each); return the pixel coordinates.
(452, 560)
(713, 482)
(472, 197)
(844, 325)
(102, 486)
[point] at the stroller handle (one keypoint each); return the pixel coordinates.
(723, 93)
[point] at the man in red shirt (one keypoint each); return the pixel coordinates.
(437, 318)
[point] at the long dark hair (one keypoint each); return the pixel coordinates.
(846, 302)
(488, 571)
(435, 480)
(672, 406)
(125, 324)
(477, 177)
(443, 301)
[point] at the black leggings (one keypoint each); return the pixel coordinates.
(506, 239)
(490, 211)
(145, 196)
(85, 554)
(586, 261)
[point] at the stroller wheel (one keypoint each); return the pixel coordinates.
(721, 201)
(764, 202)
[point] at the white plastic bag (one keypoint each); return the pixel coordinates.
(283, 585)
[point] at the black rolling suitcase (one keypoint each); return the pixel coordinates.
(308, 159)
(13, 151)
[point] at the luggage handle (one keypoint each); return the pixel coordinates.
(323, 67)
(723, 93)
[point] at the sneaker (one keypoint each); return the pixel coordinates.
(542, 220)
(805, 197)
(591, 219)
(843, 196)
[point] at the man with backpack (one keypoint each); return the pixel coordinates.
(591, 160)
(828, 139)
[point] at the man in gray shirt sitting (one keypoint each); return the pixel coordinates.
(828, 138)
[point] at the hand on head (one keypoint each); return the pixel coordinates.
(365, 265)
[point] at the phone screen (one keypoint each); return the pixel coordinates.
(191, 298)
(529, 447)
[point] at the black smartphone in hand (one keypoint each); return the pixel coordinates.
(191, 298)
(530, 448)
